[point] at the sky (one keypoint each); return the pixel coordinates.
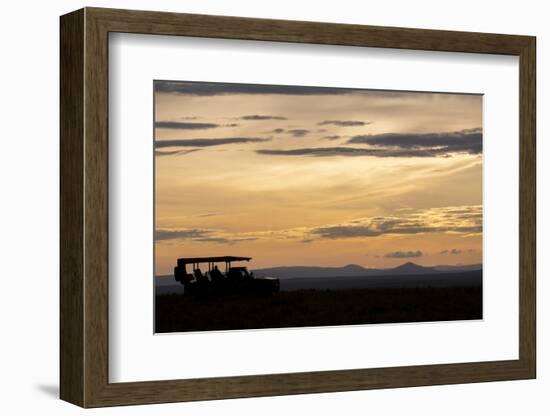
(293, 175)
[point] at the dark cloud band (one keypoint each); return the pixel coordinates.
(351, 231)
(446, 221)
(344, 123)
(207, 142)
(198, 235)
(403, 254)
(174, 152)
(210, 89)
(255, 117)
(180, 125)
(464, 141)
(180, 234)
(218, 88)
(298, 132)
(395, 145)
(351, 151)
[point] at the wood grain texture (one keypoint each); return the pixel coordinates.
(162, 23)
(84, 207)
(527, 207)
(96, 217)
(71, 213)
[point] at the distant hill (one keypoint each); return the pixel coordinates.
(167, 284)
(314, 271)
(354, 276)
(459, 268)
(352, 270)
(412, 268)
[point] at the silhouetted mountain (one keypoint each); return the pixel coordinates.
(354, 276)
(410, 268)
(356, 270)
(431, 279)
(351, 275)
(315, 271)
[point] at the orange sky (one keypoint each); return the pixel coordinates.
(309, 176)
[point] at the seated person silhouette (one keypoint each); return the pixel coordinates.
(215, 274)
(199, 276)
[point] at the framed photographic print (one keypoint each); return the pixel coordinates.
(255, 207)
(333, 184)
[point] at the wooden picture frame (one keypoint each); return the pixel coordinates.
(84, 207)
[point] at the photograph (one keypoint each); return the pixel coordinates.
(352, 196)
(283, 206)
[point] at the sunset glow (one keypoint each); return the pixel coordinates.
(316, 176)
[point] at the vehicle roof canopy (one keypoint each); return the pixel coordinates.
(225, 259)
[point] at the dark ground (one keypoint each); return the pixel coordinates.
(311, 307)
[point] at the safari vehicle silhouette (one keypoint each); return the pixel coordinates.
(235, 280)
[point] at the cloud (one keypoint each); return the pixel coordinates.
(194, 233)
(174, 152)
(350, 151)
(208, 214)
(206, 142)
(205, 89)
(218, 240)
(198, 235)
(395, 145)
(166, 153)
(464, 141)
(345, 231)
(452, 251)
(262, 117)
(180, 125)
(298, 132)
(344, 123)
(434, 220)
(212, 88)
(331, 137)
(403, 254)
(292, 132)
(351, 231)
